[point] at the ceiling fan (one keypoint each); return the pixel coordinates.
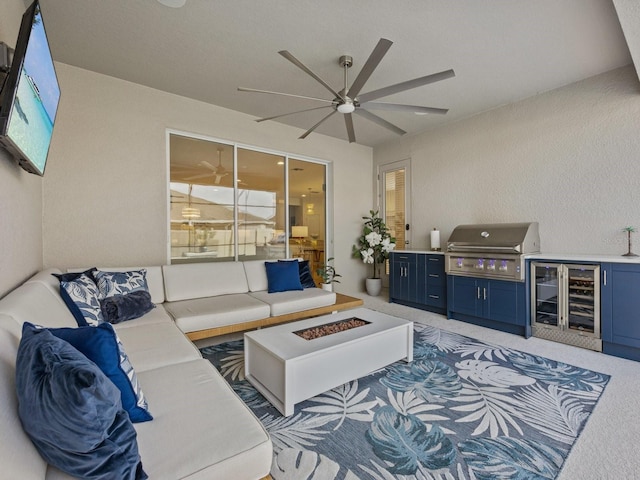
(349, 100)
(219, 171)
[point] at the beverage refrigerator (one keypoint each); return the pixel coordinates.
(565, 303)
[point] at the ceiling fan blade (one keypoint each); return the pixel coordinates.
(380, 121)
(196, 177)
(402, 108)
(306, 134)
(370, 65)
(306, 69)
(243, 89)
(348, 120)
(291, 113)
(204, 163)
(408, 85)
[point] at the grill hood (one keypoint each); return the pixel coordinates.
(515, 238)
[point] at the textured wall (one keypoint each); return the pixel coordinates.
(20, 192)
(105, 192)
(569, 159)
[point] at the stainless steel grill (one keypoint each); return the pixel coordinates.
(491, 250)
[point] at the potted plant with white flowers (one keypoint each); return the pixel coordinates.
(373, 247)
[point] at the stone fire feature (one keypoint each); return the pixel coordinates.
(330, 328)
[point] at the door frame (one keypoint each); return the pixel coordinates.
(388, 167)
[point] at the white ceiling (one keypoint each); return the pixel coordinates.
(502, 51)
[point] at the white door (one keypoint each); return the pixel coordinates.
(394, 193)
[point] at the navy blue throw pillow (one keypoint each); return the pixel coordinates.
(305, 275)
(72, 411)
(120, 308)
(282, 276)
(102, 346)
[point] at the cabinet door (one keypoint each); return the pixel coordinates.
(418, 291)
(504, 301)
(399, 281)
(464, 296)
(625, 305)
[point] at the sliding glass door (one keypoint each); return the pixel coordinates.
(229, 202)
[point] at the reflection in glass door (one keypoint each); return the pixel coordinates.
(547, 292)
(583, 299)
(307, 212)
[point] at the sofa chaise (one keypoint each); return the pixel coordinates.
(200, 428)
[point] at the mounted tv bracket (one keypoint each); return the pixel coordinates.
(5, 64)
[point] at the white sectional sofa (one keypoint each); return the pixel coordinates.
(200, 428)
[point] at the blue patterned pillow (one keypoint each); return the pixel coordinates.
(120, 283)
(102, 346)
(72, 412)
(81, 296)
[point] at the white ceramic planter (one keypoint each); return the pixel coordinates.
(373, 286)
(327, 286)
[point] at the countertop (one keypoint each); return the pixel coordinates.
(563, 257)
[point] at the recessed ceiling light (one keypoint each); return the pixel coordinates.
(420, 113)
(280, 162)
(173, 3)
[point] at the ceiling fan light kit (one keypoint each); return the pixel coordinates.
(348, 100)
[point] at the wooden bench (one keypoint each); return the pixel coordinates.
(343, 302)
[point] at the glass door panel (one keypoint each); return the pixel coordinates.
(583, 292)
(546, 294)
(307, 212)
(201, 200)
(261, 195)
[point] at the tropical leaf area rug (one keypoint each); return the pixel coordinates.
(462, 410)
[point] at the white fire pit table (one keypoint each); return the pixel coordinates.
(288, 369)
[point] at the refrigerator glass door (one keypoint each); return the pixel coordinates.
(583, 298)
(546, 286)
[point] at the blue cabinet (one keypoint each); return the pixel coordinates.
(497, 304)
(418, 280)
(620, 310)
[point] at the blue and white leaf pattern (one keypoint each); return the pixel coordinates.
(120, 283)
(84, 293)
(462, 410)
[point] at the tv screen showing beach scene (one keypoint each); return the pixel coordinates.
(35, 98)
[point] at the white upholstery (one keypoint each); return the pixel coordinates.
(210, 312)
(256, 275)
(198, 280)
(156, 345)
(282, 303)
(18, 456)
(200, 420)
(157, 315)
(34, 302)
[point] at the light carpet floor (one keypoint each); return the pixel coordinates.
(609, 445)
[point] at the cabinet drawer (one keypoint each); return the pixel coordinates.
(437, 296)
(436, 279)
(435, 260)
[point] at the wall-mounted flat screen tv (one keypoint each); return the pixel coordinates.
(30, 95)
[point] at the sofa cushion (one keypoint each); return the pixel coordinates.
(81, 296)
(128, 306)
(282, 303)
(283, 276)
(201, 429)
(71, 410)
(18, 456)
(211, 312)
(199, 280)
(102, 346)
(155, 345)
(36, 303)
(256, 275)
